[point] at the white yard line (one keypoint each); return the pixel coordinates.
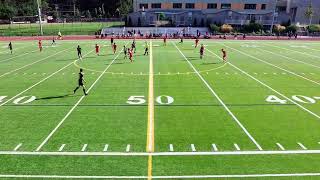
(280, 146)
(198, 153)
(27, 65)
(286, 57)
(220, 100)
(73, 108)
(17, 147)
(158, 177)
(39, 82)
(288, 71)
(214, 146)
(265, 85)
(302, 146)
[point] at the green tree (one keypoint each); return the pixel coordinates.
(309, 13)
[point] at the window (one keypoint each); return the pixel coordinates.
(190, 5)
(263, 6)
(156, 5)
(225, 6)
(177, 5)
(281, 8)
(212, 6)
(250, 6)
(144, 6)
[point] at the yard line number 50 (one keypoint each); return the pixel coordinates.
(163, 99)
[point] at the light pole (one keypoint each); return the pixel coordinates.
(39, 15)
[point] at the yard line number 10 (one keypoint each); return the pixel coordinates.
(163, 99)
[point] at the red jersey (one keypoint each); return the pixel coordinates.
(40, 44)
(130, 53)
(97, 48)
(197, 41)
(114, 47)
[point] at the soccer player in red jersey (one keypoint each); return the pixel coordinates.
(97, 49)
(165, 40)
(131, 55)
(114, 48)
(197, 42)
(224, 55)
(201, 51)
(40, 45)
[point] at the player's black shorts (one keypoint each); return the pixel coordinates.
(80, 83)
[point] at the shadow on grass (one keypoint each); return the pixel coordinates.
(57, 97)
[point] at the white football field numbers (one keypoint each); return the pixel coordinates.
(297, 98)
(20, 100)
(163, 99)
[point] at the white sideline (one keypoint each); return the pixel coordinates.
(44, 79)
(286, 57)
(288, 71)
(265, 85)
(220, 100)
(158, 177)
(77, 103)
(31, 63)
(198, 153)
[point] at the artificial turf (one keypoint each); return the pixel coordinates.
(199, 102)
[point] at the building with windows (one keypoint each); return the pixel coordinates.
(183, 13)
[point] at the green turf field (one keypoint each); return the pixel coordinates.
(166, 115)
(53, 28)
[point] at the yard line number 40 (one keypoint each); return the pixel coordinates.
(163, 99)
(297, 98)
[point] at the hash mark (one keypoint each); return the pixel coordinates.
(84, 147)
(280, 146)
(214, 147)
(61, 147)
(171, 148)
(237, 147)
